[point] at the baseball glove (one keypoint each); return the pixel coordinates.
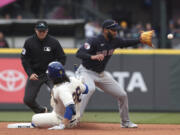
(146, 38)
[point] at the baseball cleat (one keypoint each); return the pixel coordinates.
(129, 124)
(74, 123)
(45, 109)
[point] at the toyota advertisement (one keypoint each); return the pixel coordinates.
(12, 81)
(151, 82)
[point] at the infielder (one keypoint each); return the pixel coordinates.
(65, 101)
(95, 54)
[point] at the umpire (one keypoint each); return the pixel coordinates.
(39, 50)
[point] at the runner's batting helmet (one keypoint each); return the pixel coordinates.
(56, 70)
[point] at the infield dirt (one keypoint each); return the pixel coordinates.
(97, 129)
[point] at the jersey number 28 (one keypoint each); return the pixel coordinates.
(76, 95)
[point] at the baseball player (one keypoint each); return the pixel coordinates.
(95, 54)
(65, 101)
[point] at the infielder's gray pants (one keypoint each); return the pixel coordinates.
(31, 91)
(106, 83)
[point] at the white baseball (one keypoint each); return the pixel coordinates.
(170, 36)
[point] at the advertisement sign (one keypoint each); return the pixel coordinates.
(151, 82)
(5, 2)
(12, 80)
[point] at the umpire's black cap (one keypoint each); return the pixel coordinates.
(41, 25)
(110, 24)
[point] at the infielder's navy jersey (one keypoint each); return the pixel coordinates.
(99, 45)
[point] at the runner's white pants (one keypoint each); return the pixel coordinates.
(46, 120)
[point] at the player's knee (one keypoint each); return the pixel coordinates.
(28, 101)
(123, 95)
(35, 120)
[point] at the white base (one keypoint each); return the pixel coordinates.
(20, 125)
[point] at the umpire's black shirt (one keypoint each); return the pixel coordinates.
(37, 54)
(99, 45)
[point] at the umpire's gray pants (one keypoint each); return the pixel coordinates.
(106, 83)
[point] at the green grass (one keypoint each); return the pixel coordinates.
(105, 117)
(15, 116)
(137, 117)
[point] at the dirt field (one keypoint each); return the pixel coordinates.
(97, 129)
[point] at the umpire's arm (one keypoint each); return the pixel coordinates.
(25, 60)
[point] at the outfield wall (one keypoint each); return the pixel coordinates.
(150, 77)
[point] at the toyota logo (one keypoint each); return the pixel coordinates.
(12, 80)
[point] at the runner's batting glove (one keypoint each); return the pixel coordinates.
(146, 38)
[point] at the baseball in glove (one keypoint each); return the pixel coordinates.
(146, 38)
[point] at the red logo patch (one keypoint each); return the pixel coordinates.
(87, 46)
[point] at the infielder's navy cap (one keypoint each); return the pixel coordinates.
(41, 25)
(110, 24)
